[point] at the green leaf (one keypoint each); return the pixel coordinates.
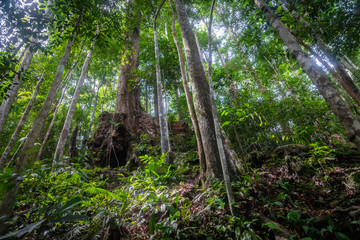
(29, 228)
(271, 225)
(294, 216)
(71, 203)
(152, 223)
(340, 235)
(226, 123)
(71, 218)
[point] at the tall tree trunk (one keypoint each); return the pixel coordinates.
(73, 152)
(146, 97)
(15, 86)
(92, 117)
(17, 49)
(350, 89)
(189, 101)
(128, 100)
(9, 197)
(47, 135)
(65, 131)
(20, 125)
(232, 85)
(225, 169)
(341, 75)
(176, 90)
(346, 61)
(156, 106)
(201, 92)
(320, 79)
(164, 134)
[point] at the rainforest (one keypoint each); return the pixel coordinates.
(180, 119)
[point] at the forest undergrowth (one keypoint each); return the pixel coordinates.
(294, 194)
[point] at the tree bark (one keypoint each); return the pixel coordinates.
(225, 169)
(176, 90)
(47, 135)
(146, 97)
(320, 79)
(9, 197)
(156, 106)
(341, 75)
(14, 88)
(201, 92)
(127, 98)
(189, 101)
(20, 125)
(66, 127)
(164, 134)
(72, 144)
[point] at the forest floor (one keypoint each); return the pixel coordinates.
(307, 194)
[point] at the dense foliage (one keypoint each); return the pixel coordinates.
(299, 176)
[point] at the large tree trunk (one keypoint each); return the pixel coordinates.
(164, 134)
(15, 86)
(189, 101)
(66, 128)
(9, 197)
(202, 100)
(20, 125)
(320, 79)
(127, 99)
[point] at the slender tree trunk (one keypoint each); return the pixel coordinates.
(47, 135)
(232, 85)
(73, 152)
(146, 98)
(320, 79)
(20, 125)
(17, 61)
(348, 88)
(17, 49)
(94, 107)
(16, 152)
(164, 135)
(156, 105)
(351, 66)
(15, 86)
(65, 131)
(9, 197)
(176, 90)
(189, 101)
(342, 75)
(225, 169)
